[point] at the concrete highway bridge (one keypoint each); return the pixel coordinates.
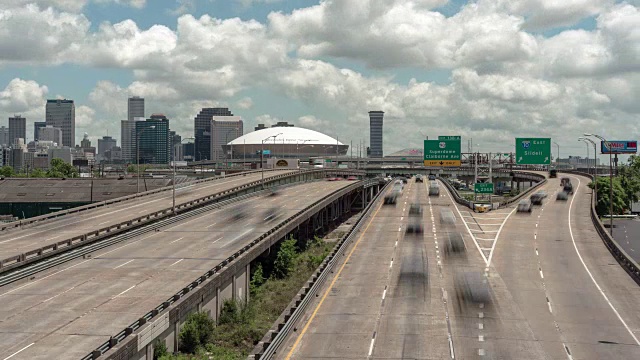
(106, 280)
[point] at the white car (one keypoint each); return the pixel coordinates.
(524, 205)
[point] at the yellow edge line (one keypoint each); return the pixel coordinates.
(306, 326)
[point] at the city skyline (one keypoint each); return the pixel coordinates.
(485, 70)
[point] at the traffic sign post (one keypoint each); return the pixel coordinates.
(533, 151)
(442, 153)
(483, 188)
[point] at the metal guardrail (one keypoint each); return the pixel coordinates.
(623, 258)
(122, 335)
(99, 234)
(54, 215)
(457, 198)
(317, 281)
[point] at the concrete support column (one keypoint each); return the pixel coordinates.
(247, 282)
(218, 305)
(149, 350)
(234, 287)
(176, 336)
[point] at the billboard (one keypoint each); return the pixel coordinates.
(619, 147)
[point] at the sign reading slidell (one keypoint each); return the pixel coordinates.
(533, 151)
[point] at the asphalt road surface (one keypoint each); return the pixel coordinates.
(68, 311)
(627, 234)
(14, 242)
(555, 290)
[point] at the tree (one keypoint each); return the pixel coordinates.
(61, 169)
(196, 332)
(38, 173)
(7, 171)
(283, 265)
(619, 196)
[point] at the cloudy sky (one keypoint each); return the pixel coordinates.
(489, 70)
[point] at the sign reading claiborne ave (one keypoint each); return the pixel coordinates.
(483, 188)
(533, 151)
(619, 147)
(442, 153)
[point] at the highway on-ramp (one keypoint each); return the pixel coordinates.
(66, 312)
(13, 242)
(556, 291)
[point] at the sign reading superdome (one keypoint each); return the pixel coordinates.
(442, 152)
(533, 151)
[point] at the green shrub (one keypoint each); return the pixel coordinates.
(257, 279)
(159, 349)
(196, 332)
(284, 263)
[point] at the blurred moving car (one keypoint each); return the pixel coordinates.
(237, 213)
(272, 213)
(472, 286)
(434, 189)
(432, 177)
(415, 220)
(524, 205)
(537, 197)
(455, 244)
(568, 188)
(352, 178)
(562, 195)
(447, 219)
(553, 173)
(564, 181)
(419, 178)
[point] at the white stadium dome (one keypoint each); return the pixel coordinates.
(286, 135)
(285, 142)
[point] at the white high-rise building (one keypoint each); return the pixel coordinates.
(62, 114)
(223, 130)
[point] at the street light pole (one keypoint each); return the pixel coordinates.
(174, 177)
(558, 158)
(595, 168)
(262, 156)
(608, 145)
(138, 156)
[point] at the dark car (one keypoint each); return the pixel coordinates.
(454, 244)
(415, 210)
(564, 181)
(568, 188)
(562, 195)
(536, 198)
(432, 177)
(472, 287)
(553, 173)
(419, 178)
(391, 198)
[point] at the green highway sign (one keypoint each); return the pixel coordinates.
(483, 188)
(442, 153)
(533, 151)
(450, 137)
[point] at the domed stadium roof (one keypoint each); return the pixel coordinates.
(290, 135)
(407, 153)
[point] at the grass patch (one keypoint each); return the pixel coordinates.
(240, 326)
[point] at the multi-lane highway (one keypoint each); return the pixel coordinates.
(68, 311)
(556, 291)
(627, 234)
(17, 241)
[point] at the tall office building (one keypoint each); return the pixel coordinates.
(36, 129)
(17, 128)
(202, 131)
(223, 130)
(4, 136)
(135, 108)
(50, 133)
(375, 133)
(62, 114)
(106, 143)
(154, 140)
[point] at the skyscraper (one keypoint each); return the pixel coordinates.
(375, 133)
(135, 108)
(62, 114)
(202, 131)
(50, 133)
(36, 129)
(154, 140)
(104, 144)
(17, 128)
(4, 136)
(128, 138)
(223, 130)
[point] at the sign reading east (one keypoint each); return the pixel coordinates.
(533, 151)
(442, 153)
(619, 147)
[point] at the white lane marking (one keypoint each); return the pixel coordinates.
(391, 264)
(537, 252)
(176, 240)
(19, 351)
(467, 226)
(121, 265)
(175, 262)
(480, 326)
(481, 315)
(481, 352)
(122, 293)
(55, 296)
(498, 235)
(72, 266)
(481, 338)
(212, 225)
(384, 294)
(541, 274)
(401, 218)
(550, 309)
(371, 346)
(399, 228)
(589, 272)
